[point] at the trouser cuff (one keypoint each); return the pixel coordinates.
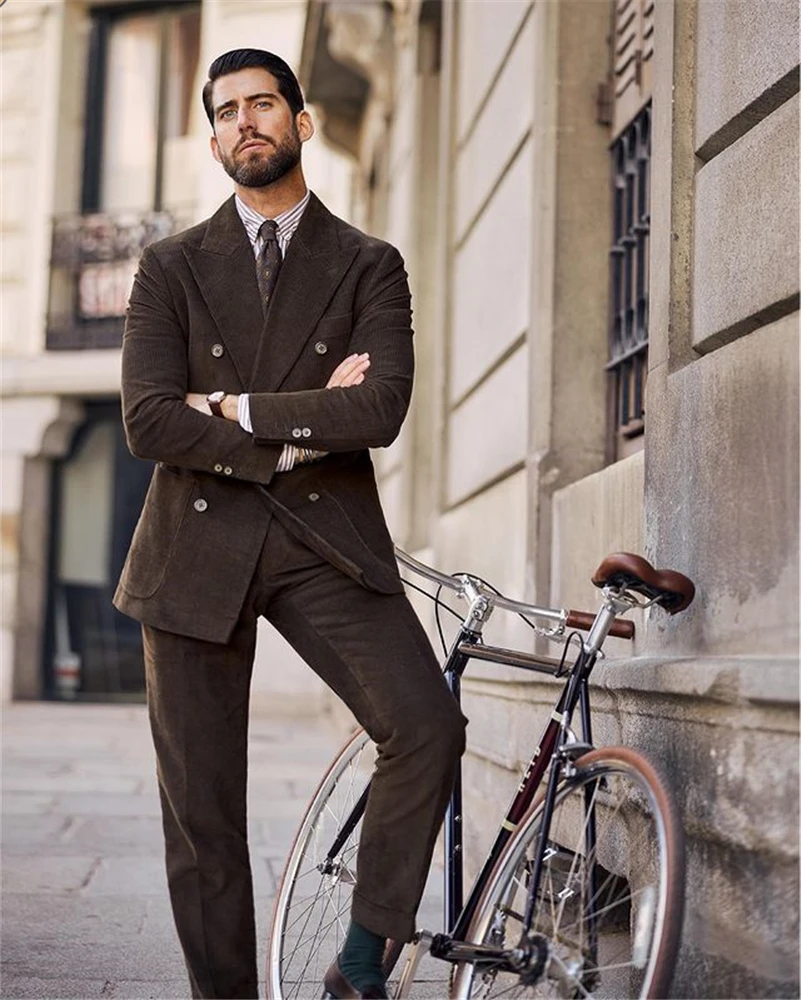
(381, 920)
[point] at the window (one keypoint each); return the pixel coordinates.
(138, 183)
(628, 349)
(631, 61)
(141, 79)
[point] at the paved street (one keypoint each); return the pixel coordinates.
(84, 909)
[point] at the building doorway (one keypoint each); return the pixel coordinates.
(92, 652)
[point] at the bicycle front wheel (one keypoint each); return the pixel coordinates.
(609, 907)
(312, 908)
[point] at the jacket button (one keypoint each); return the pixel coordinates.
(228, 470)
(314, 496)
(217, 350)
(306, 432)
(320, 347)
(218, 467)
(200, 505)
(296, 432)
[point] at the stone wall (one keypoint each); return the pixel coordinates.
(514, 465)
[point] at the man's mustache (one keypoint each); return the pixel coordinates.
(252, 138)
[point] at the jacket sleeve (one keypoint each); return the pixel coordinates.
(363, 416)
(159, 425)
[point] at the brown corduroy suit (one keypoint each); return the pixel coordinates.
(223, 539)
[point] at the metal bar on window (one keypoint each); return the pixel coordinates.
(629, 267)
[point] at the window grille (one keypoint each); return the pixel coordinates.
(628, 347)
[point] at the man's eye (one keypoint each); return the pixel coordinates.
(264, 104)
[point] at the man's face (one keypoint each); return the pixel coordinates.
(256, 137)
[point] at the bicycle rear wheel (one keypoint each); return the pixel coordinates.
(312, 908)
(609, 906)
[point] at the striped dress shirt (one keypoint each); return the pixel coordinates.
(287, 223)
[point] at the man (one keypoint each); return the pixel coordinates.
(265, 351)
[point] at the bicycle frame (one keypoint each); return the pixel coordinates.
(458, 914)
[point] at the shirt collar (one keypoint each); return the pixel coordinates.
(287, 222)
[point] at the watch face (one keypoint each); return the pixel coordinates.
(216, 397)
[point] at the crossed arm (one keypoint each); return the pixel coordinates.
(350, 413)
(349, 372)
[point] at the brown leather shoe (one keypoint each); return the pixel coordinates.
(340, 988)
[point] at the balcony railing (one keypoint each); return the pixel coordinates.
(92, 267)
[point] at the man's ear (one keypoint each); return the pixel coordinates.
(215, 148)
(305, 125)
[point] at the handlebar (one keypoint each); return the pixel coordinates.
(461, 583)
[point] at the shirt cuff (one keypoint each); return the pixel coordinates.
(288, 456)
(243, 413)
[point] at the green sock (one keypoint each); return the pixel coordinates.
(361, 957)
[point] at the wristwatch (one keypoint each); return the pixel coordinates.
(214, 399)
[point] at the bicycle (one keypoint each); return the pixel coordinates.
(582, 891)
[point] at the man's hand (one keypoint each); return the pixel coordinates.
(349, 372)
(230, 405)
(197, 400)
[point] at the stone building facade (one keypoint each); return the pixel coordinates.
(590, 195)
(597, 201)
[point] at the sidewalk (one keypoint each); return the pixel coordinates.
(85, 911)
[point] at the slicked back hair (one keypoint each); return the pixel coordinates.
(237, 59)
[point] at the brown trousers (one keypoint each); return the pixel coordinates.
(372, 651)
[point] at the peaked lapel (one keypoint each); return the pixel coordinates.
(314, 266)
(224, 268)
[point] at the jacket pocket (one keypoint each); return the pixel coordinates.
(153, 540)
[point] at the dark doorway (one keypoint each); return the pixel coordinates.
(92, 651)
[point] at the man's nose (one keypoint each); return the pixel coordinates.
(245, 119)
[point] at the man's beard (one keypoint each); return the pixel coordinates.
(259, 171)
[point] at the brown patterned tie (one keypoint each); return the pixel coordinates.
(268, 263)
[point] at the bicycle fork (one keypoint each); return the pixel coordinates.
(564, 753)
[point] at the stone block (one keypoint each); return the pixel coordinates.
(722, 496)
(486, 32)
(128, 876)
(47, 874)
(746, 232)
(25, 834)
(55, 784)
(61, 988)
(488, 433)
(94, 920)
(161, 989)
(491, 285)
(592, 517)
(84, 804)
(745, 51)
(496, 552)
(26, 803)
(497, 132)
(113, 836)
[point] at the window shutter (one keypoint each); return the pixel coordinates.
(632, 59)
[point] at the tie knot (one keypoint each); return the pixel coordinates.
(268, 230)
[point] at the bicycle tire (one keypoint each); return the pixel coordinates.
(641, 892)
(295, 968)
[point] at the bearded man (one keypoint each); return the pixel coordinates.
(265, 351)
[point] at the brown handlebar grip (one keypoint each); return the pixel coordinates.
(621, 628)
